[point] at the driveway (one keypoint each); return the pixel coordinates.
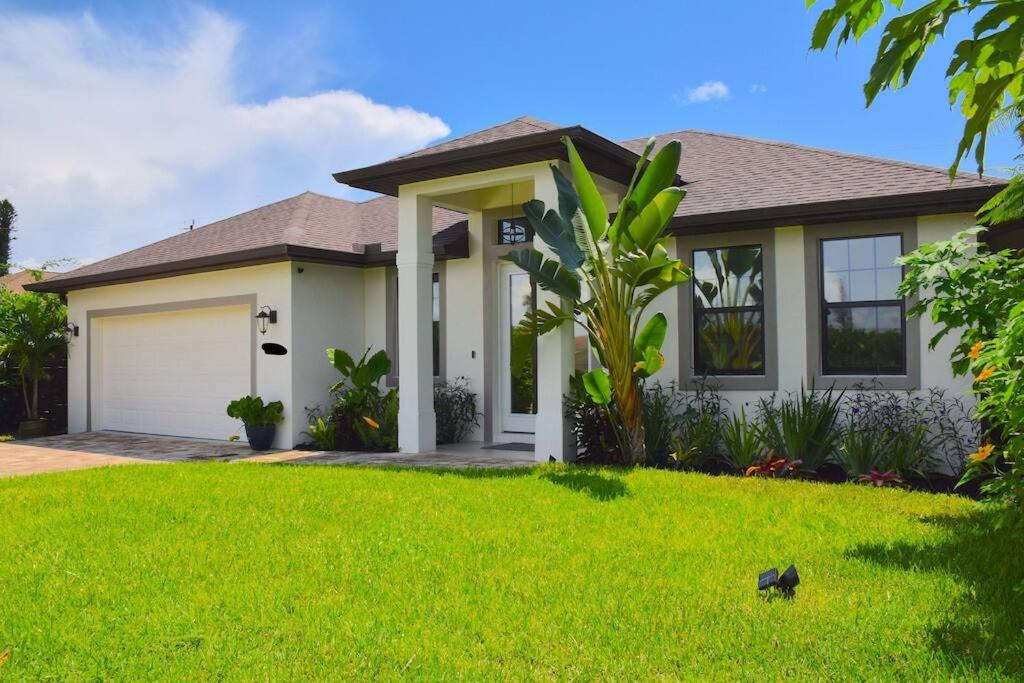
(98, 449)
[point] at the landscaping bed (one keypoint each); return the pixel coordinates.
(210, 570)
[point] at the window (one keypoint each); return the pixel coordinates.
(863, 329)
(728, 311)
(392, 322)
(514, 231)
(583, 356)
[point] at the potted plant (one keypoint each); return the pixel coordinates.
(32, 333)
(260, 419)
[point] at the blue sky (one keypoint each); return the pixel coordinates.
(195, 111)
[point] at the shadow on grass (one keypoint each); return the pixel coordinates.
(599, 485)
(984, 629)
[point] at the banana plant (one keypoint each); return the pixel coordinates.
(607, 274)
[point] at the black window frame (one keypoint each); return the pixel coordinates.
(699, 309)
(824, 306)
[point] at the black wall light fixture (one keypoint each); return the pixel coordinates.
(70, 331)
(267, 316)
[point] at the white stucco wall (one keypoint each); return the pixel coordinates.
(328, 304)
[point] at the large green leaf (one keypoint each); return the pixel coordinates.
(598, 386)
(556, 232)
(651, 335)
(659, 175)
(590, 197)
(545, 321)
(653, 218)
(341, 361)
(549, 275)
(651, 360)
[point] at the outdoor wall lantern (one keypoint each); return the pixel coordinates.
(70, 331)
(266, 316)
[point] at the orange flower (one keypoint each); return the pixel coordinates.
(371, 422)
(975, 352)
(985, 374)
(981, 455)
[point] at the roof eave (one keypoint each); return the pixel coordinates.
(457, 246)
(959, 200)
(603, 156)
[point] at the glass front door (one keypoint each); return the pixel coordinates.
(518, 366)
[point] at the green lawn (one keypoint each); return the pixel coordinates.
(281, 572)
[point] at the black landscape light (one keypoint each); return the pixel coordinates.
(789, 581)
(768, 579)
(785, 584)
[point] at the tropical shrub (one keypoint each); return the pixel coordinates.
(741, 442)
(322, 430)
(696, 444)
(363, 417)
(590, 426)
(663, 409)
(32, 333)
(254, 413)
(976, 295)
(802, 426)
(455, 410)
(607, 275)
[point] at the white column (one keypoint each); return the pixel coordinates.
(415, 261)
(554, 358)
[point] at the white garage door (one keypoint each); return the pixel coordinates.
(174, 373)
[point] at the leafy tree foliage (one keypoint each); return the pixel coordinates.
(985, 72)
(7, 218)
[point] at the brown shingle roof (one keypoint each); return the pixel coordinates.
(524, 125)
(731, 182)
(730, 175)
(311, 225)
(15, 282)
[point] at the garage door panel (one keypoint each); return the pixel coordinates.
(174, 373)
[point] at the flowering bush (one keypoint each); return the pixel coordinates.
(980, 295)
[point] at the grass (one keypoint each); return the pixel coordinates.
(212, 570)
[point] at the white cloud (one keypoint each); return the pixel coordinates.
(707, 91)
(758, 88)
(110, 140)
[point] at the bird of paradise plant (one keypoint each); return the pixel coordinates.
(607, 275)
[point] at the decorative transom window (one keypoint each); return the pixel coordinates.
(514, 231)
(863, 324)
(728, 311)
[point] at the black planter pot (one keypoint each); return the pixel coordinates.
(260, 438)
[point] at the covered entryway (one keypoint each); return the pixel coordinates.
(171, 372)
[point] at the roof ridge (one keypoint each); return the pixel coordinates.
(299, 217)
(835, 153)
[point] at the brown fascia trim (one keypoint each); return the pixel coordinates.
(964, 200)
(455, 248)
(601, 154)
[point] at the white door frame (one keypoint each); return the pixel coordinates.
(510, 426)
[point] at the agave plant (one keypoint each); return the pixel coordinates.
(608, 275)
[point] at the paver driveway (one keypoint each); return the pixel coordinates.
(97, 449)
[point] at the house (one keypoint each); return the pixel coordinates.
(15, 282)
(795, 243)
